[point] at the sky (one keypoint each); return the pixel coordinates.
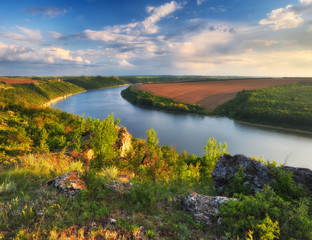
(160, 37)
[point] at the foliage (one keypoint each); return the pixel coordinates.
(95, 82)
(8, 186)
(144, 98)
(257, 212)
(287, 106)
(103, 138)
(211, 155)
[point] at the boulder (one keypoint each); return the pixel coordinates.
(257, 174)
(301, 176)
(69, 183)
(204, 208)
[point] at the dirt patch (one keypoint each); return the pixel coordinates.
(214, 93)
(16, 80)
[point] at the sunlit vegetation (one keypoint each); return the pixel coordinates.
(287, 106)
(147, 99)
(95, 82)
(37, 144)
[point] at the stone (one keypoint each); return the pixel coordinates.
(121, 187)
(204, 208)
(69, 183)
(302, 176)
(123, 143)
(257, 174)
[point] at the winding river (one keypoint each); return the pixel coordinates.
(190, 133)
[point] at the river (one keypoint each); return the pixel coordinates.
(190, 133)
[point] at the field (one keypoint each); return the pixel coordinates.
(213, 93)
(16, 80)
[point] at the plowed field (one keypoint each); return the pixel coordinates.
(213, 93)
(16, 80)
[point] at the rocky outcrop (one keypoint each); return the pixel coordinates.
(301, 176)
(123, 143)
(204, 208)
(256, 173)
(69, 183)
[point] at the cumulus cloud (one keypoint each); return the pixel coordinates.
(51, 12)
(283, 18)
(12, 53)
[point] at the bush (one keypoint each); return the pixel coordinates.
(8, 186)
(264, 214)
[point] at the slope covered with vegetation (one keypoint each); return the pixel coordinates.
(37, 144)
(147, 99)
(95, 82)
(36, 93)
(288, 106)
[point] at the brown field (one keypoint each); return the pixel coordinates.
(214, 93)
(16, 80)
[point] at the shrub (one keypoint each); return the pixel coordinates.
(264, 214)
(8, 186)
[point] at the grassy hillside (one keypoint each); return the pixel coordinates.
(288, 106)
(37, 144)
(36, 93)
(144, 98)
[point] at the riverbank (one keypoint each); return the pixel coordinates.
(146, 99)
(286, 106)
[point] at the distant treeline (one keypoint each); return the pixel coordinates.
(144, 98)
(287, 106)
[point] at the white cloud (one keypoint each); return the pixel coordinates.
(305, 1)
(125, 63)
(283, 18)
(33, 34)
(199, 2)
(24, 34)
(55, 35)
(12, 53)
(157, 13)
(51, 12)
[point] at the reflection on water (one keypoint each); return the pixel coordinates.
(190, 133)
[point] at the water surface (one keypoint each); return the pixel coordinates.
(190, 133)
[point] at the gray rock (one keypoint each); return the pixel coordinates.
(204, 208)
(69, 183)
(257, 174)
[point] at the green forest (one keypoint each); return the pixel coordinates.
(288, 106)
(37, 144)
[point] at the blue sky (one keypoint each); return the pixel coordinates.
(144, 37)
